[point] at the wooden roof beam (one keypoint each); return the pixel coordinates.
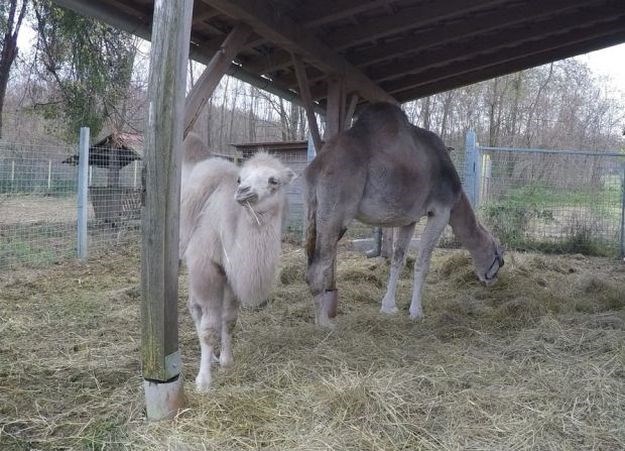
(278, 28)
(281, 59)
(410, 18)
(505, 62)
(314, 15)
(304, 92)
(496, 20)
(498, 70)
(466, 50)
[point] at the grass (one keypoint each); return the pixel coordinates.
(535, 361)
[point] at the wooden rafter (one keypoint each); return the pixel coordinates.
(280, 29)
(533, 33)
(315, 14)
(304, 92)
(492, 66)
(419, 16)
(215, 70)
(495, 20)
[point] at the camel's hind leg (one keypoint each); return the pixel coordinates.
(321, 272)
(230, 315)
(429, 238)
(206, 291)
(400, 246)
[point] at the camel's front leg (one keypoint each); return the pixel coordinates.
(206, 289)
(400, 246)
(230, 315)
(429, 238)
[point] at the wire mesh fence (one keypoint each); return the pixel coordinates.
(554, 201)
(39, 205)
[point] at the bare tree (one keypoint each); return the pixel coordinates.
(10, 27)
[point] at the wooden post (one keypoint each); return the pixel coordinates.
(83, 187)
(470, 166)
(333, 114)
(49, 175)
(215, 70)
(304, 93)
(134, 177)
(160, 216)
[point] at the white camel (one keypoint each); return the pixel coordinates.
(230, 239)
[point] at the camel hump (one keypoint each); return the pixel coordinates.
(195, 150)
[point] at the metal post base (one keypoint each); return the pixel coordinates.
(163, 400)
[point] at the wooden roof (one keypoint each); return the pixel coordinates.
(404, 49)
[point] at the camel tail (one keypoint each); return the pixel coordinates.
(310, 240)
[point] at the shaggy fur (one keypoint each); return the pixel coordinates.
(230, 239)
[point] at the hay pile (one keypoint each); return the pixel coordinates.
(537, 360)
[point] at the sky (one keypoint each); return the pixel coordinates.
(609, 62)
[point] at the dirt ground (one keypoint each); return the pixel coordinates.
(534, 362)
(28, 209)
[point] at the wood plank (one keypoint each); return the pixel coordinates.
(333, 109)
(481, 72)
(313, 14)
(418, 16)
(215, 70)
(551, 47)
(163, 137)
(304, 92)
(350, 110)
(268, 22)
(501, 20)
(540, 32)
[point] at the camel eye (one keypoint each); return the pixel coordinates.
(273, 181)
(238, 180)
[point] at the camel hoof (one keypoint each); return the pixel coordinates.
(416, 316)
(202, 384)
(326, 323)
(226, 361)
(389, 310)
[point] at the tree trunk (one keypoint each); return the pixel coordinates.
(9, 49)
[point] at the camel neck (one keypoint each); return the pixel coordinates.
(464, 223)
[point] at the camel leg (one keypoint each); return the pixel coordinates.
(230, 315)
(321, 275)
(433, 229)
(206, 290)
(400, 246)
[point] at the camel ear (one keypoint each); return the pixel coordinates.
(288, 176)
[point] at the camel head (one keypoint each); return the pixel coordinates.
(261, 182)
(488, 259)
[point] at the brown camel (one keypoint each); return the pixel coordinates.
(387, 172)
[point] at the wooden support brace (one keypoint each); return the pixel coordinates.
(215, 70)
(304, 93)
(351, 109)
(161, 197)
(334, 117)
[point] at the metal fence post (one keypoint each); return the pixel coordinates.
(470, 166)
(623, 213)
(83, 187)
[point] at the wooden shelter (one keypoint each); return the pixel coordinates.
(113, 152)
(329, 56)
